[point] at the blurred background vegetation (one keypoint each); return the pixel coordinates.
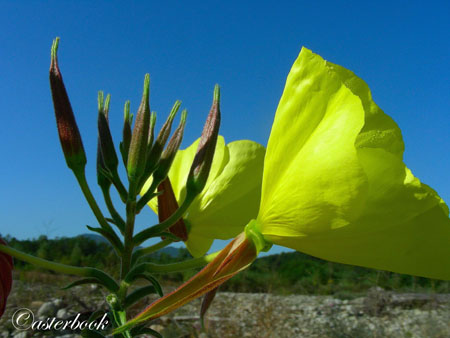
(284, 273)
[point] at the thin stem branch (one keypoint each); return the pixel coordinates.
(149, 194)
(180, 266)
(150, 249)
(119, 186)
(120, 223)
(63, 268)
(81, 178)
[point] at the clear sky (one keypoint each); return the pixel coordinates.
(401, 49)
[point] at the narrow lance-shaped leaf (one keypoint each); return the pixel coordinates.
(69, 134)
(138, 294)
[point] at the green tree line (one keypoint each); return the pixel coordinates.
(283, 273)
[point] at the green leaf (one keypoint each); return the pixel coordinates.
(140, 330)
(152, 280)
(138, 294)
(110, 236)
(82, 282)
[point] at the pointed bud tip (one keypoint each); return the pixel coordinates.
(183, 116)
(146, 86)
(100, 101)
(216, 93)
(107, 101)
(126, 111)
(54, 49)
(152, 118)
(175, 109)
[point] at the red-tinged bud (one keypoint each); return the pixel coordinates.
(108, 151)
(102, 177)
(167, 205)
(138, 145)
(126, 133)
(201, 165)
(6, 266)
(69, 134)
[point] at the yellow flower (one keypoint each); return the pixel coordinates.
(335, 185)
(231, 195)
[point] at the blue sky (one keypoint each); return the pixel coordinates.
(400, 49)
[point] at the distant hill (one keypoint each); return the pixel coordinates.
(170, 250)
(94, 237)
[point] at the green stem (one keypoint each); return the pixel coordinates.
(147, 196)
(63, 268)
(186, 265)
(43, 263)
(158, 228)
(129, 229)
(174, 267)
(119, 186)
(81, 178)
(112, 210)
(152, 248)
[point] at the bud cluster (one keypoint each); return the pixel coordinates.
(145, 155)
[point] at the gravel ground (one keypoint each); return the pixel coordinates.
(377, 314)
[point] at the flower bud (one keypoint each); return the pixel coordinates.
(6, 266)
(126, 133)
(108, 151)
(167, 205)
(69, 134)
(138, 145)
(164, 164)
(151, 133)
(154, 153)
(201, 165)
(169, 153)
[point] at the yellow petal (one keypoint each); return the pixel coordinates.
(361, 205)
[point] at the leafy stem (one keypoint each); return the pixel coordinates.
(106, 280)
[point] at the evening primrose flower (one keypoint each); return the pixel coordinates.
(230, 197)
(334, 186)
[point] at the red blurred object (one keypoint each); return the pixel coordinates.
(6, 266)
